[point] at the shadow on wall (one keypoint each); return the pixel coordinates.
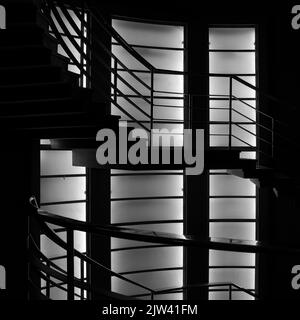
(2, 18)
(2, 278)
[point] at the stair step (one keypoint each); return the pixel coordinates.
(41, 106)
(24, 56)
(31, 35)
(35, 91)
(35, 74)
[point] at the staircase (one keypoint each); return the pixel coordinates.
(41, 99)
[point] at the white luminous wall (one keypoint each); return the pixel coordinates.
(149, 200)
(232, 200)
(62, 192)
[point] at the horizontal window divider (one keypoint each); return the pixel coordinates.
(150, 270)
(232, 196)
(232, 289)
(63, 176)
(232, 267)
(231, 50)
(232, 220)
(146, 198)
(147, 222)
(62, 202)
(147, 174)
(142, 247)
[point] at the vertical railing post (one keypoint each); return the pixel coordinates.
(230, 292)
(48, 283)
(82, 278)
(272, 139)
(151, 105)
(70, 264)
(230, 112)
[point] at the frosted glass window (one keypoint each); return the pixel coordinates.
(232, 38)
(153, 280)
(58, 162)
(240, 295)
(2, 278)
(163, 59)
(143, 186)
(176, 228)
(218, 141)
(62, 189)
(150, 34)
(230, 185)
(70, 210)
(132, 110)
(241, 132)
(50, 248)
(242, 277)
(169, 296)
(71, 47)
(219, 295)
(227, 258)
(232, 230)
(219, 86)
(2, 18)
(219, 129)
(167, 82)
(240, 90)
(139, 85)
(169, 113)
(222, 208)
(73, 68)
(232, 62)
(242, 112)
(127, 59)
(117, 243)
(150, 258)
(66, 22)
(146, 210)
(62, 263)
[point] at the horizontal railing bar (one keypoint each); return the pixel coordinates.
(150, 270)
(232, 50)
(151, 47)
(232, 220)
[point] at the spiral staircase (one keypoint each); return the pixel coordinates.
(41, 99)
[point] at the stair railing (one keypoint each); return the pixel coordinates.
(63, 18)
(48, 270)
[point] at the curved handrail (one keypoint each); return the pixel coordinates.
(165, 238)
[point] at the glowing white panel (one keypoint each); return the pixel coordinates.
(58, 294)
(218, 295)
(219, 129)
(55, 162)
(244, 111)
(162, 227)
(66, 22)
(169, 113)
(167, 82)
(231, 38)
(146, 210)
(227, 258)
(71, 47)
(245, 135)
(143, 259)
(73, 69)
(139, 83)
(219, 86)
(240, 90)
(218, 141)
(62, 189)
(127, 59)
(143, 186)
(70, 210)
(240, 295)
(2, 278)
(233, 230)
(242, 277)
(222, 208)
(132, 110)
(51, 249)
(229, 185)
(232, 62)
(153, 280)
(169, 296)
(117, 243)
(150, 34)
(163, 59)
(2, 18)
